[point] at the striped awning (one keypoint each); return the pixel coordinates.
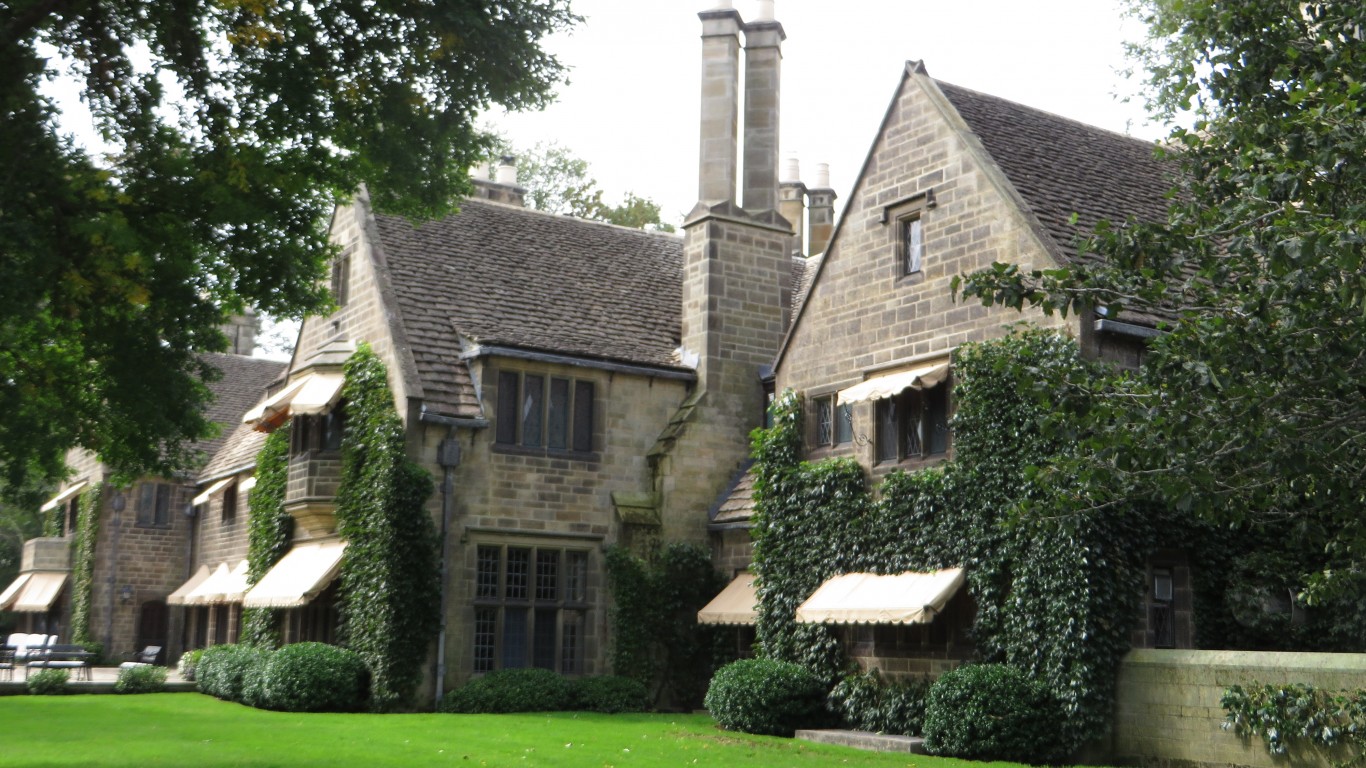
(222, 586)
(33, 592)
(865, 598)
(893, 384)
(303, 573)
(310, 394)
(200, 576)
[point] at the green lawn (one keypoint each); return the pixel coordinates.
(189, 729)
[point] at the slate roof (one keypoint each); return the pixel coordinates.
(243, 381)
(1061, 166)
(739, 504)
(501, 275)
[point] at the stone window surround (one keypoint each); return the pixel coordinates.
(903, 214)
(884, 411)
(543, 588)
(580, 429)
(833, 425)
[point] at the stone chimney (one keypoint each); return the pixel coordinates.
(821, 211)
(241, 331)
(719, 144)
(792, 201)
(763, 70)
(503, 187)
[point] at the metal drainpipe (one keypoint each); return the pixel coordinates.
(117, 504)
(448, 456)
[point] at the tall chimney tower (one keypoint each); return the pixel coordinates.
(720, 103)
(821, 211)
(763, 70)
(792, 202)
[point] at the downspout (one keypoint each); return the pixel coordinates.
(118, 504)
(448, 456)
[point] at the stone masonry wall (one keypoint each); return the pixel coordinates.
(1168, 714)
(862, 315)
(223, 540)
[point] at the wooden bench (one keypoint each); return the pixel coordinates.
(72, 657)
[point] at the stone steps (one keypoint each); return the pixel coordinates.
(873, 742)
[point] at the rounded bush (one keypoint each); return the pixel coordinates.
(187, 664)
(223, 669)
(992, 712)
(612, 694)
(765, 696)
(141, 679)
(48, 682)
(869, 702)
(315, 677)
(511, 690)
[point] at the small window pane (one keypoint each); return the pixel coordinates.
(514, 637)
(576, 577)
(583, 416)
(547, 574)
(570, 642)
(533, 410)
(508, 394)
(887, 430)
(937, 420)
(558, 435)
(912, 244)
(824, 420)
(163, 513)
(518, 575)
(230, 503)
(844, 424)
(912, 422)
(543, 646)
(486, 573)
(485, 638)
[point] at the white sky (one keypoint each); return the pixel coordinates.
(631, 107)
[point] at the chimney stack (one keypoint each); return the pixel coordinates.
(792, 201)
(821, 211)
(503, 187)
(720, 103)
(763, 69)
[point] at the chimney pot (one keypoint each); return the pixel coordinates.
(792, 170)
(507, 170)
(822, 176)
(480, 171)
(765, 12)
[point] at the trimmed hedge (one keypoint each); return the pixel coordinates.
(765, 696)
(141, 679)
(611, 694)
(511, 690)
(993, 712)
(868, 702)
(48, 682)
(227, 671)
(315, 677)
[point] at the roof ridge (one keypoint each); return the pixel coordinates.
(1054, 115)
(562, 217)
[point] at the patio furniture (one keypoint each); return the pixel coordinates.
(143, 658)
(71, 657)
(7, 662)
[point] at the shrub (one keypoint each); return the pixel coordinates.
(511, 690)
(48, 682)
(188, 663)
(867, 702)
(223, 668)
(314, 677)
(141, 679)
(992, 712)
(612, 694)
(254, 678)
(765, 696)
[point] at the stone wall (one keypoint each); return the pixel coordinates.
(223, 539)
(1167, 707)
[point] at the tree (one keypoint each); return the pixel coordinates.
(235, 127)
(1251, 409)
(557, 181)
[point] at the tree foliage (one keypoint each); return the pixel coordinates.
(233, 127)
(1250, 410)
(558, 181)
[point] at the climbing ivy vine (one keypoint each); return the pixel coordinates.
(83, 564)
(389, 574)
(270, 530)
(1055, 594)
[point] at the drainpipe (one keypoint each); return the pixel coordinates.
(117, 505)
(448, 456)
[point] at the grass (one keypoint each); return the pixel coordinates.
(189, 729)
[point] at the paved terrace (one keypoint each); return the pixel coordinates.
(102, 680)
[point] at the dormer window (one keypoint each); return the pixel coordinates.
(912, 244)
(544, 413)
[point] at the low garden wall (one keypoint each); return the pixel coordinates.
(1167, 709)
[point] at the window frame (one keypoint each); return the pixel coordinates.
(500, 594)
(834, 423)
(908, 216)
(907, 410)
(228, 510)
(156, 512)
(340, 284)
(529, 421)
(320, 433)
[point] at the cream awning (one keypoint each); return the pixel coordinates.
(301, 574)
(891, 384)
(12, 591)
(222, 586)
(246, 485)
(211, 490)
(737, 604)
(62, 497)
(178, 597)
(865, 598)
(36, 594)
(313, 393)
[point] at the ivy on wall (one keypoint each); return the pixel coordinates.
(389, 574)
(83, 564)
(269, 533)
(1055, 596)
(1301, 717)
(655, 635)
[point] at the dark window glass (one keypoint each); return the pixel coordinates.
(341, 278)
(163, 513)
(937, 420)
(557, 436)
(912, 245)
(486, 573)
(516, 587)
(544, 643)
(547, 575)
(887, 428)
(844, 424)
(514, 637)
(571, 628)
(533, 410)
(333, 427)
(230, 502)
(511, 633)
(509, 393)
(825, 410)
(583, 416)
(153, 504)
(576, 577)
(912, 426)
(485, 638)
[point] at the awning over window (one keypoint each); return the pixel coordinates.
(737, 604)
(865, 598)
(247, 485)
(299, 577)
(222, 586)
(313, 393)
(892, 384)
(33, 592)
(64, 496)
(212, 490)
(200, 576)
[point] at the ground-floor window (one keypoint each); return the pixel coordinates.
(315, 622)
(530, 608)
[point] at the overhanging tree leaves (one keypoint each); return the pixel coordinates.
(1252, 409)
(234, 126)
(558, 181)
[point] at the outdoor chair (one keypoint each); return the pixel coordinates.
(72, 657)
(7, 662)
(145, 657)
